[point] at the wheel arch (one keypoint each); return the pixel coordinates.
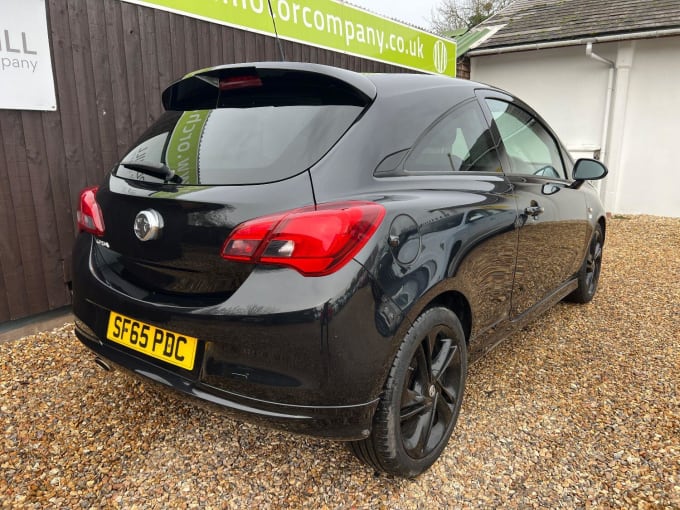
(458, 304)
(603, 225)
(454, 301)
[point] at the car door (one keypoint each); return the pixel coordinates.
(552, 216)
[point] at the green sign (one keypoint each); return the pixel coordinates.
(327, 24)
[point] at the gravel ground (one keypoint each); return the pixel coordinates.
(579, 410)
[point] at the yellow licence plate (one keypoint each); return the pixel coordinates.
(168, 346)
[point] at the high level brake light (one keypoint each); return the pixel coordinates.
(315, 241)
(240, 82)
(90, 218)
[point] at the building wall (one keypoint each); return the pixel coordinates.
(650, 179)
(111, 61)
(569, 90)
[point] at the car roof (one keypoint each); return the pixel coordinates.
(411, 82)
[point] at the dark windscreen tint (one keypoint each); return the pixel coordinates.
(272, 130)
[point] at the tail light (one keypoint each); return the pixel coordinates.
(90, 217)
(315, 241)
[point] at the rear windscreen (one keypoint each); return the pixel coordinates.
(263, 130)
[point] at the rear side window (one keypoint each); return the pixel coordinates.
(263, 130)
(459, 142)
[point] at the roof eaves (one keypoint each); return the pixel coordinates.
(557, 43)
(474, 38)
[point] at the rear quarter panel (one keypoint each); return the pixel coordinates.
(464, 241)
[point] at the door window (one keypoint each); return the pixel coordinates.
(530, 148)
(460, 142)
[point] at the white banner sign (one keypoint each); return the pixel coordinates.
(26, 79)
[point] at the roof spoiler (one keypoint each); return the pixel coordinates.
(268, 83)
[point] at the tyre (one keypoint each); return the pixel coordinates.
(589, 274)
(421, 399)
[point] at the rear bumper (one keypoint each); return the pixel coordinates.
(285, 363)
(329, 422)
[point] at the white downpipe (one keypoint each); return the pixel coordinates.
(608, 100)
(624, 64)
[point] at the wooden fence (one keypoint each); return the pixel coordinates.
(111, 61)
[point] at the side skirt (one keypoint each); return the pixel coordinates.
(494, 336)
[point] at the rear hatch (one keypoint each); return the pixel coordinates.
(235, 143)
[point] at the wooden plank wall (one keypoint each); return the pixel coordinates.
(111, 61)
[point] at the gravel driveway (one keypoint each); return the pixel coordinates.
(579, 410)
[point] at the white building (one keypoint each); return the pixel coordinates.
(606, 77)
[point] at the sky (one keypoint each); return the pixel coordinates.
(416, 12)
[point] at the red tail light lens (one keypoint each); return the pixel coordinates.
(90, 217)
(315, 241)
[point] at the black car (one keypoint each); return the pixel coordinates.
(325, 252)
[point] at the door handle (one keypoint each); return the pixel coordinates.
(534, 210)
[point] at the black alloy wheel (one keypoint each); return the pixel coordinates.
(589, 275)
(421, 401)
(594, 262)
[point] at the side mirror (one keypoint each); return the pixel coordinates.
(587, 169)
